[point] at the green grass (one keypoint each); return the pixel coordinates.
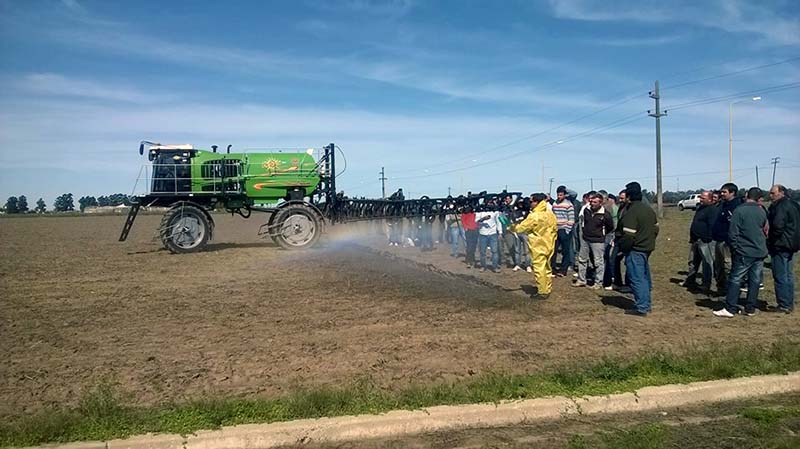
(641, 436)
(104, 414)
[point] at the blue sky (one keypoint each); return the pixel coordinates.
(462, 94)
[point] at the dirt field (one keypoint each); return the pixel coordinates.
(246, 318)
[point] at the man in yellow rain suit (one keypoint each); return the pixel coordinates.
(541, 228)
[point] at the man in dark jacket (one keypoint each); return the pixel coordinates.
(748, 243)
(782, 242)
(639, 229)
(596, 222)
(702, 242)
(722, 249)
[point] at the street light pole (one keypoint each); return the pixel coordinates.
(730, 135)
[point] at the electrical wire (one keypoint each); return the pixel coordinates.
(724, 75)
(615, 124)
(711, 100)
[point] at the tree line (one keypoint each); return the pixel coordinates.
(64, 203)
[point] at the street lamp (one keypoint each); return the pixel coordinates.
(730, 134)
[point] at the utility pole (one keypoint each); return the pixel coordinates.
(448, 192)
(679, 183)
(383, 179)
(775, 161)
(657, 115)
(550, 190)
(758, 184)
(542, 175)
(591, 183)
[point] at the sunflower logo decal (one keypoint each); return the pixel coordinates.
(271, 164)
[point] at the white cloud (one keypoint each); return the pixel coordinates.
(52, 84)
(735, 16)
(637, 41)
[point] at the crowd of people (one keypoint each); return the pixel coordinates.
(729, 240)
(598, 235)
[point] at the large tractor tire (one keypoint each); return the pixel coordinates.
(185, 229)
(296, 227)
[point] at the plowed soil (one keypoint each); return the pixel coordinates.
(245, 318)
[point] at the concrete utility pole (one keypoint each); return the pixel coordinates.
(758, 183)
(591, 183)
(657, 115)
(448, 192)
(383, 179)
(775, 161)
(542, 175)
(550, 190)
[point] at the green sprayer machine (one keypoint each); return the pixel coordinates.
(295, 190)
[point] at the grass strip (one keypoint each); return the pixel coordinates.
(102, 414)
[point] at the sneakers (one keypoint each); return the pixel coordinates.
(779, 309)
(723, 313)
(516, 268)
(529, 270)
(635, 312)
(595, 287)
(574, 275)
(750, 312)
(609, 288)
(579, 284)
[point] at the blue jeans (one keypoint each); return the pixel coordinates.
(742, 266)
(784, 279)
(523, 253)
(491, 242)
(455, 237)
(563, 247)
(638, 274)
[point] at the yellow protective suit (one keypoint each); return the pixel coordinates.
(540, 225)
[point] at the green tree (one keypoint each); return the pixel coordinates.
(41, 207)
(64, 203)
(11, 206)
(22, 204)
(102, 201)
(87, 201)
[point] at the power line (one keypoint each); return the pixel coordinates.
(737, 72)
(711, 100)
(615, 124)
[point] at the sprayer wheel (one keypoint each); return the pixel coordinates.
(297, 227)
(185, 229)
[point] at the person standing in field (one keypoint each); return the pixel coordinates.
(701, 242)
(521, 211)
(596, 223)
(564, 211)
(454, 229)
(748, 243)
(608, 272)
(470, 234)
(540, 225)
(639, 229)
(722, 249)
(489, 232)
(783, 241)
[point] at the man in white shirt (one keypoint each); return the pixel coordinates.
(489, 230)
